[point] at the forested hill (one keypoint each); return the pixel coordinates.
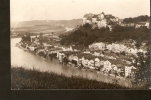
(142, 18)
(85, 35)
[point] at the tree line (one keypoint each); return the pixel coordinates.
(136, 19)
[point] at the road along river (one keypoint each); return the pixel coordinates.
(21, 58)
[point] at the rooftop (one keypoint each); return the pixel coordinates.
(95, 16)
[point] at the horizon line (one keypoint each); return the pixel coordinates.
(65, 19)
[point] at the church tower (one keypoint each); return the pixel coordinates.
(102, 15)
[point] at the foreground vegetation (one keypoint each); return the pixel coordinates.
(33, 79)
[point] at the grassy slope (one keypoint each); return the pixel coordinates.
(33, 79)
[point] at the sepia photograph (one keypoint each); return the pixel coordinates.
(80, 44)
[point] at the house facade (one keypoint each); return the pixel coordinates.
(129, 71)
(140, 24)
(107, 65)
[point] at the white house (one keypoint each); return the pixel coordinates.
(84, 20)
(88, 21)
(133, 51)
(85, 62)
(107, 65)
(96, 54)
(139, 24)
(128, 70)
(97, 62)
(147, 24)
(97, 46)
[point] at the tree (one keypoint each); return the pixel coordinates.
(143, 69)
(136, 19)
(87, 25)
(41, 37)
(28, 37)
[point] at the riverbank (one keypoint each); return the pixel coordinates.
(67, 70)
(33, 79)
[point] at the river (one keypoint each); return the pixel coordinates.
(21, 58)
(28, 60)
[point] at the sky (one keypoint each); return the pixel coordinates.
(25, 10)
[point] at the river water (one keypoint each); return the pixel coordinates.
(21, 58)
(28, 60)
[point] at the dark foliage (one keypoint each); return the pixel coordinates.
(136, 19)
(26, 38)
(144, 69)
(85, 35)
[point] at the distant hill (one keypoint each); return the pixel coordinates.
(64, 23)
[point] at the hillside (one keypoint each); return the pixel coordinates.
(65, 23)
(43, 26)
(85, 35)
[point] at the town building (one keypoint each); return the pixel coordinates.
(129, 71)
(139, 24)
(107, 65)
(144, 23)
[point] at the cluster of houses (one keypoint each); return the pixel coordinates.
(98, 61)
(118, 48)
(127, 52)
(107, 20)
(89, 58)
(137, 24)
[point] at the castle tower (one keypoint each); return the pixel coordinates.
(102, 15)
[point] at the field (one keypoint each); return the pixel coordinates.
(33, 79)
